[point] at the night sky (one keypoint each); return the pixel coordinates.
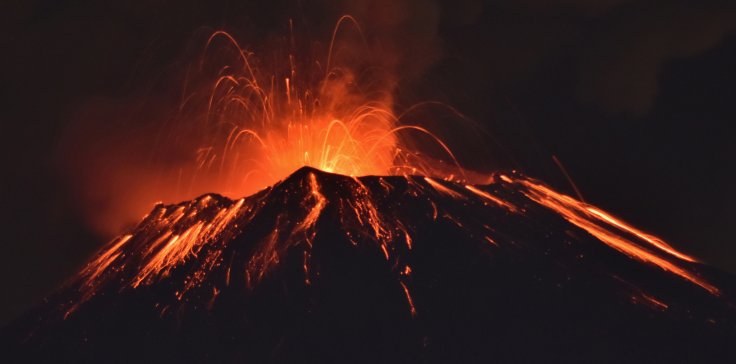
(635, 98)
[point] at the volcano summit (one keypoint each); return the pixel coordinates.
(330, 268)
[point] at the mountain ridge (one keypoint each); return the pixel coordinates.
(395, 268)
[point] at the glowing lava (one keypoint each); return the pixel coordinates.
(261, 125)
(603, 226)
(242, 121)
(214, 237)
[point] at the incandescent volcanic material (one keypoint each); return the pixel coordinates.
(329, 268)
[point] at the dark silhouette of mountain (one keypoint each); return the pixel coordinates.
(333, 269)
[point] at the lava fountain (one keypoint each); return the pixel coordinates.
(336, 116)
(242, 121)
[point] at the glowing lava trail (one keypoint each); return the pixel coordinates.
(603, 226)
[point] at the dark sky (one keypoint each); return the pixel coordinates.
(635, 98)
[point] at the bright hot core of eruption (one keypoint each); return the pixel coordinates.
(336, 115)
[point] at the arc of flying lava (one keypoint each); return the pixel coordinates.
(259, 126)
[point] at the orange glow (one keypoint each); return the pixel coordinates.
(261, 125)
(407, 239)
(491, 241)
(652, 301)
(491, 198)
(409, 300)
(655, 241)
(271, 131)
(179, 247)
(247, 120)
(441, 188)
(97, 266)
(319, 203)
(595, 222)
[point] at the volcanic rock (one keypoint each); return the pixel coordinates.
(335, 269)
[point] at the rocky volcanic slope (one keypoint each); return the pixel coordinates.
(333, 269)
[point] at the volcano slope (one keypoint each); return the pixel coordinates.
(334, 269)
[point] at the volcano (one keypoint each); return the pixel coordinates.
(328, 268)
